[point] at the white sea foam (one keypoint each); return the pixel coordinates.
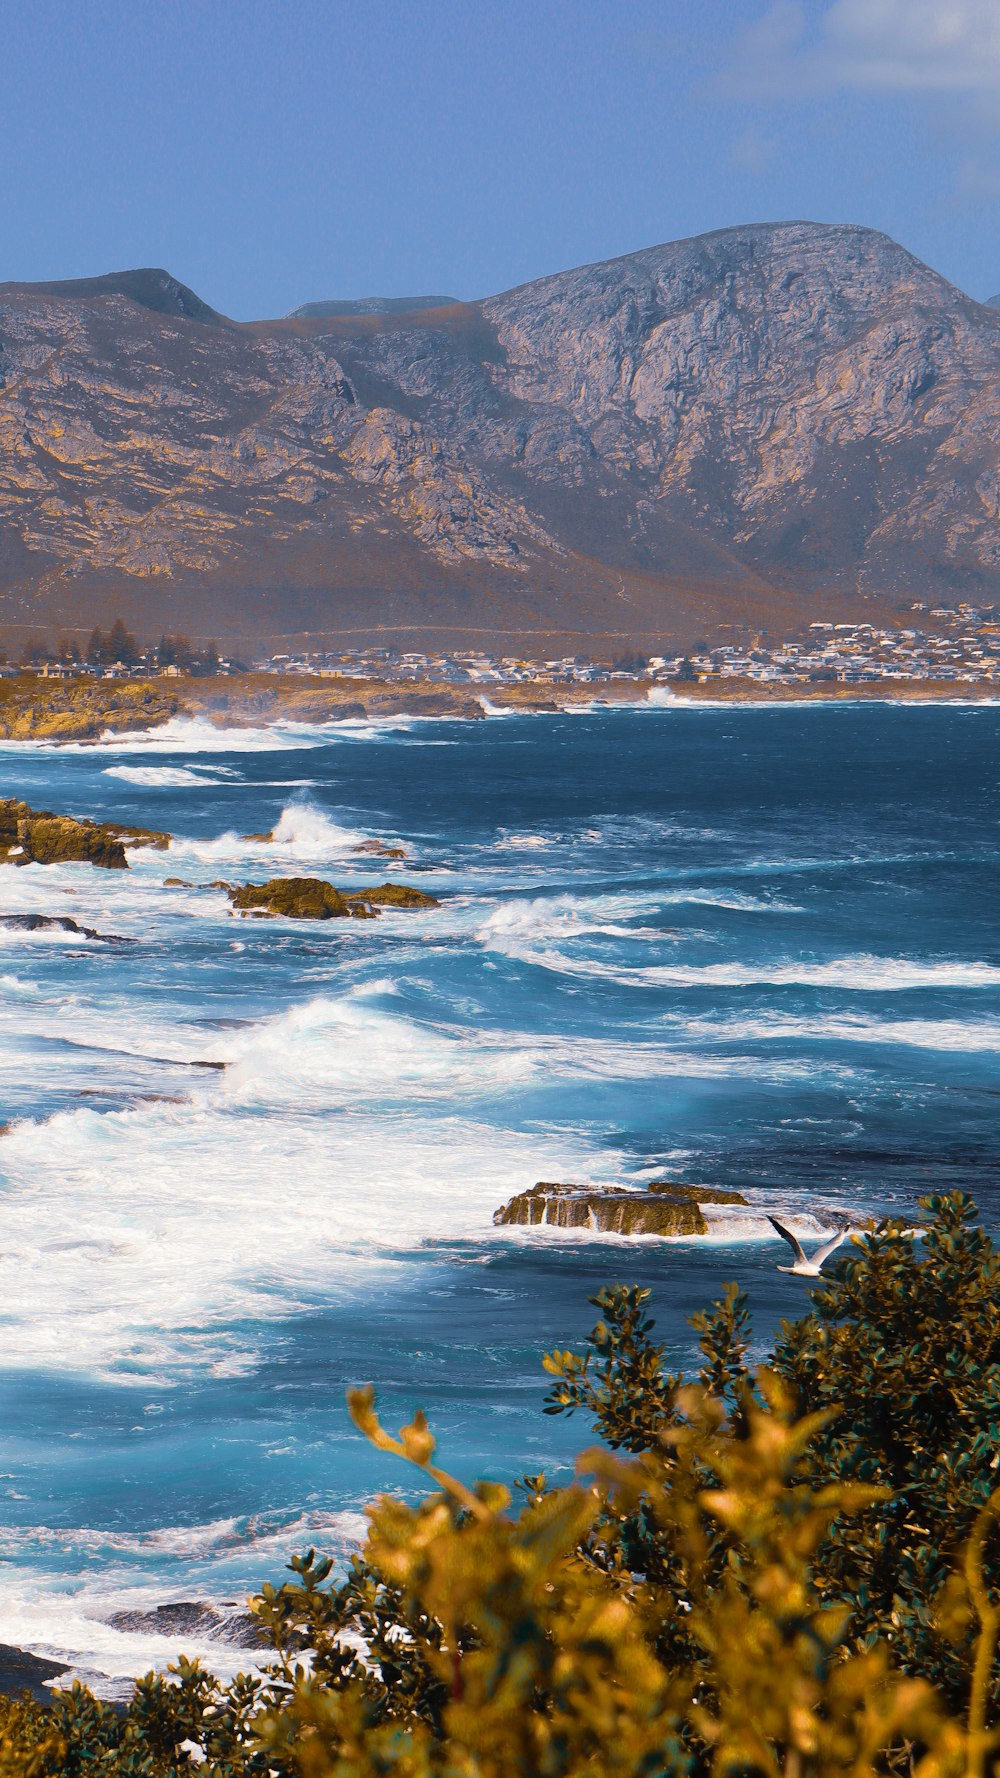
(726, 1227)
(862, 974)
(336, 1130)
(183, 734)
(524, 842)
(13, 937)
(518, 922)
(170, 776)
(970, 1036)
(63, 1613)
(338, 1140)
(303, 834)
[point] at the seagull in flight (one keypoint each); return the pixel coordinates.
(805, 1267)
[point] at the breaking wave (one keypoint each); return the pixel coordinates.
(169, 776)
(862, 975)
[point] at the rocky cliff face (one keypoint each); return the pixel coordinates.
(758, 426)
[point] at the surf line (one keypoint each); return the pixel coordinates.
(104, 1049)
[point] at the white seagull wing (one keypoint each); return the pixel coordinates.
(829, 1247)
(793, 1241)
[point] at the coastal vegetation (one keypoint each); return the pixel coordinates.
(790, 1570)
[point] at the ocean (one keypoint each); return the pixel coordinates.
(745, 947)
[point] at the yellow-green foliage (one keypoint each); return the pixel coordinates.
(701, 1599)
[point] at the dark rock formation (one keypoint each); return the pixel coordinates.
(193, 1617)
(760, 425)
(444, 701)
(310, 898)
(36, 836)
(393, 895)
(21, 1671)
(294, 898)
(59, 923)
(662, 1208)
(379, 849)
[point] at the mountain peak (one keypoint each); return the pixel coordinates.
(149, 286)
(759, 426)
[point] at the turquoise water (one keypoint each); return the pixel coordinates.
(752, 948)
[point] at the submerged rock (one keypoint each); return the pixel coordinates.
(60, 923)
(661, 1208)
(380, 849)
(36, 836)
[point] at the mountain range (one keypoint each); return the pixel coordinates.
(753, 428)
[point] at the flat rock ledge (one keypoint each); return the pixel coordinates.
(660, 1208)
(310, 898)
(36, 836)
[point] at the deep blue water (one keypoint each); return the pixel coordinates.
(752, 948)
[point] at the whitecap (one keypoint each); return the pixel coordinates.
(861, 974)
(155, 776)
(303, 833)
(970, 1036)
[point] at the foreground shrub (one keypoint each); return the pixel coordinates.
(787, 1572)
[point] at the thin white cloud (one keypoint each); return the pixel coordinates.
(754, 153)
(944, 47)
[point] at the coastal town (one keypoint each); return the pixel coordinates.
(958, 644)
(963, 645)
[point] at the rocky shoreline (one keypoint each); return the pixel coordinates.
(37, 836)
(85, 709)
(875, 691)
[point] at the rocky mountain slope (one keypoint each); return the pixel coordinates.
(759, 426)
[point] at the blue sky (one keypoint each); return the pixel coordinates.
(272, 151)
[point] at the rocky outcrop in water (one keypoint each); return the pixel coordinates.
(311, 898)
(36, 836)
(293, 898)
(661, 1208)
(394, 895)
